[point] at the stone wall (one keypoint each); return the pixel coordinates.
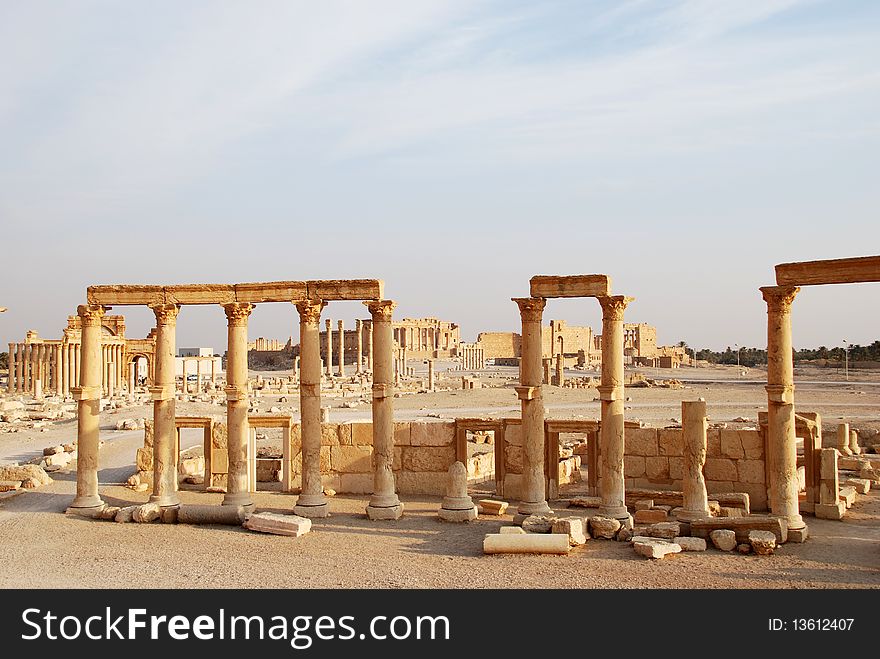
(500, 344)
(734, 463)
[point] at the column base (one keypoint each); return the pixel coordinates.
(242, 499)
(798, 535)
(312, 512)
(88, 501)
(691, 515)
(384, 500)
(91, 512)
(533, 508)
(385, 513)
(617, 512)
(166, 500)
(458, 515)
(830, 511)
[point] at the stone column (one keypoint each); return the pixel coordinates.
(328, 362)
(546, 371)
(384, 503)
(781, 442)
(560, 375)
(694, 426)
(340, 340)
(19, 370)
(198, 376)
(370, 346)
(77, 362)
(359, 330)
(533, 494)
(843, 439)
(57, 380)
(10, 385)
(237, 493)
(213, 372)
(88, 404)
(132, 377)
(164, 400)
(311, 502)
(39, 352)
(104, 369)
(430, 375)
(65, 368)
(611, 396)
(854, 442)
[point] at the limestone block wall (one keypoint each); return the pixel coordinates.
(735, 461)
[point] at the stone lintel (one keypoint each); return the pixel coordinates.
(269, 421)
(200, 294)
(345, 289)
(829, 271)
(528, 393)
(192, 421)
(780, 393)
(570, 286)
(274, 291)
(124, 295)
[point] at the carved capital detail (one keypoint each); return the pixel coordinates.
(166, 314)
(310, 311)
(779, 298)
(381, 310)
(530, 308)
(237, 313)
(613, 306)
(90, 314)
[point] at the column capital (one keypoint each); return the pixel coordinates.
(237, 313)
(310, 311)
(779, 298)
(613, 306)
(530, 308)
(90, 314)
(166, 314)
(381, 309)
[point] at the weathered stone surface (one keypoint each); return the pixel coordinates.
(538, 523)
(688, 543)
(125, 514)
(23, 473)
(511, 529)
(527, 543)
(625, 534)
(465, 515)
(643, 504)
(723, 539)
(9, 486)
(52, 450)
(742, 525)
(830, 510)
(351, 459)
(148, 512)
(665, 530)
(492, 507)
(604, 527)
(649, 516)
(655, 548)
(432, 433)
(278, 524)
(860, 485)
(763, 542)
(585, 502)
(847, 495)
(385, 513)
(428, 458)
(744, 548)
(720, 469)
(641, 441)
(574, 527)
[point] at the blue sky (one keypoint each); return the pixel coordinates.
(452, 149)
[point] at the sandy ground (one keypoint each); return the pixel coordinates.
(42, 548)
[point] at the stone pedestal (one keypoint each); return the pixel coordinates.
(431, 375)
(611, 396)
(457, 506)
(384, 503)
(237, 403)
(694, 426)
(311, 502)
(781, 442)
(88, 402)
(328, 362)
(533, 491)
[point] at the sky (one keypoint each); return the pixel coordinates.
(451, 148)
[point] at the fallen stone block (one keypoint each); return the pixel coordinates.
(9, 486)
(604, 527)
(763, 542)
(649, 516)
(830, 510)
(744, 548)
(643, 504)
(655, 548)
(860, 485)
(516, 530)
(574, 527)
(29, 475)
(52, 450)
(729, 511)
(701, 528)
(125, 514)
(688, 543)
(146, 513)
(847, 495)
(851, 463)
(492, 507)
(538, 523)
(56, 461)
(527, 543)
(625, 534)
(665, 530)
(723, 539)
(278, 524)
